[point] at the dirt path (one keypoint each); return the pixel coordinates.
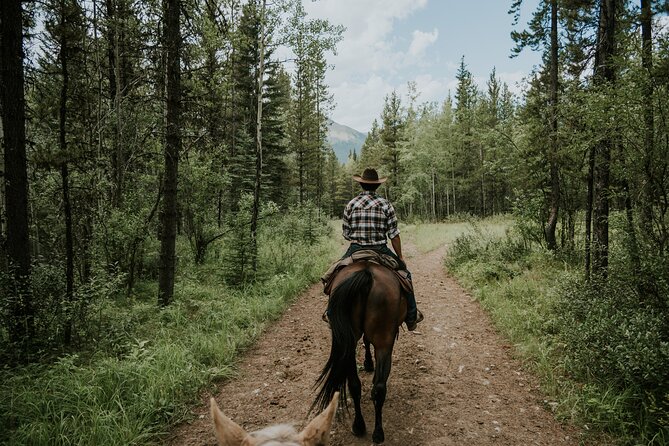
(453, 382)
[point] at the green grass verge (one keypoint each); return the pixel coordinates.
(163, 359)
(523, 288)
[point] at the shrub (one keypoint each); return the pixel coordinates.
(606, 341)
(612, 339)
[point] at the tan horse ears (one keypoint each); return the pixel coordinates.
(317, 432)
(228, 433)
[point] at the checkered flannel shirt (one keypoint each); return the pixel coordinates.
(368, 219)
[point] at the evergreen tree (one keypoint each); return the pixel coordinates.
(168, 214)
(391, 136)
(15, 172)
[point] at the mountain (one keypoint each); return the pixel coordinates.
(344, 140)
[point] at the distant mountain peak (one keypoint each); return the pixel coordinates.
(344, 140)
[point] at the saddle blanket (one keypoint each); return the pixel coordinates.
(371, 256)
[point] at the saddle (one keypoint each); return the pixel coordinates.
(371, 256)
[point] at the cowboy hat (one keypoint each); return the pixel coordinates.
(369, 176)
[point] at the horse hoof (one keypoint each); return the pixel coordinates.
(378, 437)
(359, 429)
(369, 366)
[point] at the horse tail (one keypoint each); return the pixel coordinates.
(342, 351)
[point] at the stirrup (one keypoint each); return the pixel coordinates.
(325, 317)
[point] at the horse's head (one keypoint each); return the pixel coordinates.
(316, 433)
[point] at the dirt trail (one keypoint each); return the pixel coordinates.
(454, 381)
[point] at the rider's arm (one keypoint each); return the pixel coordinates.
(397, 246)
(346, 222)
(393, 231)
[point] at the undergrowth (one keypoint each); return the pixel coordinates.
(600, 349)
(145, 366)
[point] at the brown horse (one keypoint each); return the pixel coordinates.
(316, 433)
(367, 302)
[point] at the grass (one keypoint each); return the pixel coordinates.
(150, 364)
(132, 391)
(429, 236)
(520, 286)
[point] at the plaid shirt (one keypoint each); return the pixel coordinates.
(368, 219)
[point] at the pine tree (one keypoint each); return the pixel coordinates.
(466, 97)
(12, 109)
(391, 136)
(168, 214)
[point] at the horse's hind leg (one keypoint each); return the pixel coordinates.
(383, 363)
(355, 388)
(369, 364)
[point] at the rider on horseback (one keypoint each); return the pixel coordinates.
(368, 219)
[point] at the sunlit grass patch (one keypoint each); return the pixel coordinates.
(429, 236)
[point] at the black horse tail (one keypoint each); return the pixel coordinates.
(342, 352)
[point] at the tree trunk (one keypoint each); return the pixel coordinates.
(632, 243)
(588, 212)
(12, 105)
(168, 214)
(453, 185)
(64, 173)
(258, 172)
(434, 198)
(482, 157)
(648, 118)
(117, 162)
(553, 214)
(69, 251)
(604, 77)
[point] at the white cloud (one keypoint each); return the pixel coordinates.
(387, 44)
(368, 57)
(368, 45)
(517, 81)
(421, 40)
(356, 102)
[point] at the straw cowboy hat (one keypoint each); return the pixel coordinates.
(369, 176)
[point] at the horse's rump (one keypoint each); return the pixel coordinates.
(365, 300)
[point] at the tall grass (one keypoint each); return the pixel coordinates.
(429, 236)
(153, 363)
(600, 355)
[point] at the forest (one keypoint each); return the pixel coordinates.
(158, 155)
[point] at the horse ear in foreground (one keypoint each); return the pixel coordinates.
(316, 433)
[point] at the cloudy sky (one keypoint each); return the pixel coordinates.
(391, 42)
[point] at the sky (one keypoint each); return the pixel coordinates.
(388, 43)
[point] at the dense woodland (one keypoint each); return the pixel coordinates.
(141, 136)
(141, 121)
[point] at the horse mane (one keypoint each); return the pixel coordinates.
(315, 433)
(279, 435)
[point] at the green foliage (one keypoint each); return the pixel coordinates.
(621, 343)
(480, 243)
(238, 247)
(281, 238)
(530, 212)
(601, 348)
(149, 365)
(48, 284)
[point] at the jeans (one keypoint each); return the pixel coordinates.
(412, 311)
